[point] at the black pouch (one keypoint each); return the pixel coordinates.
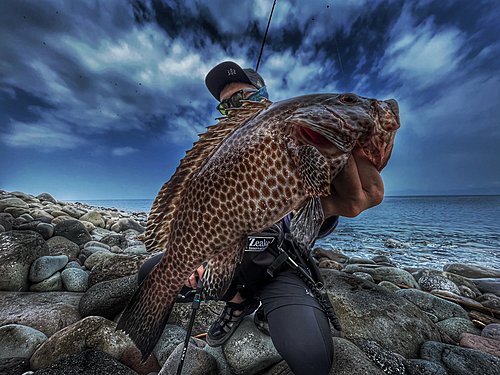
(259, 254)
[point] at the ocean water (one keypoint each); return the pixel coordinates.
(434, 230)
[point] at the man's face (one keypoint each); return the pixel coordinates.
(233, 87)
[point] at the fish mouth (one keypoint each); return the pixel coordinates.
(314, 138)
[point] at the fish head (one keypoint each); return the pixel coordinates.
(335, 123)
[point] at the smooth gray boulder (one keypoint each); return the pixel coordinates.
(472, 271)
(52, 284)
(457, 279)
(46, 266)
(47, 312)
(349, 360)
(249, 351)
(18, 250)
(108, 298)
(460, 361)
(434, 282)
(171, 337)
(392, 274)
(93, 332)
(75, 280)
(488, 285)
(19, 341)
(73, 230)
(366, 310)
(454, 327)
(436, 306)
(197, 362)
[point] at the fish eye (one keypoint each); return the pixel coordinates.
(349, 98)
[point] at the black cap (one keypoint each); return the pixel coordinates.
(227, 72)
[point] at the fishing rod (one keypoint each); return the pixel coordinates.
(265, 36)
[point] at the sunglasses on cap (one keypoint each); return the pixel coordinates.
(236, 100)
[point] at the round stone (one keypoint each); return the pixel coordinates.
(46, 230)
(75, 280)
(73, 230)
(46, 266)
(19, 341)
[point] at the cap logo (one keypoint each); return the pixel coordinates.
(231, 72)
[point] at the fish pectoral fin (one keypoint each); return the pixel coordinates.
(306, 224)
(313, 169)
(219, 271)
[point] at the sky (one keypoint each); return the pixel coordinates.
(101, 99)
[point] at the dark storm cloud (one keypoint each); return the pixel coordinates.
(120, 80)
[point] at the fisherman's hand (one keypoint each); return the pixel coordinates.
(355, 189)
(192, 282)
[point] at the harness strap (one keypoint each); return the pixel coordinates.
(318, 289)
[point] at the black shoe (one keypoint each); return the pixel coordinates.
(260, 321)
(222, 329)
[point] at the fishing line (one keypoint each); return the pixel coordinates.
(341, 67)
(265, 36)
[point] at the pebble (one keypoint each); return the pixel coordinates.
(108, 298)
(95, 218)
(454, 327)
(96, 244)
(484, 344)
(392, 274)
(46, 312)
(91, 333)
(72, 211)
(18, 250)
(249, 350)
(422, 367)
(457, 279)
(13, 202)
(488, 285)
(491, 331)
(46, 230)
(170, 338)
(389, 286)
(384, 358)
(126, 224)
(360, 260)
(15, 366)
(364, 275)
(433, 282)
(75, 280)
(6, 221)
(97, 257)
(46, 197)
(115, 240)
(53, 283)
(46, 266)
(73, 230)
(460, 361)
(197, 361)
(490, 300)
(471, 271)
(439, 307)
(19, 341)
(62, 246)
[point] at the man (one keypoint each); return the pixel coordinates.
(298, 325)
(297, 322)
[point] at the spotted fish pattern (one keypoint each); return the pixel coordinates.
(245, 173)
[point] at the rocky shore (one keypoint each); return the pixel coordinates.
(67, 270)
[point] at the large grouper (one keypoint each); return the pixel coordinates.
(255, 166)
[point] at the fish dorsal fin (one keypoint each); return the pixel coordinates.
(163, 210)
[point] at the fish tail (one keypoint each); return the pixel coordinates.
(147, 313)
